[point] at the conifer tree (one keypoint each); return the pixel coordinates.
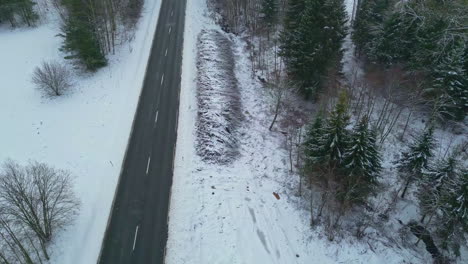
(369, 16)
(293, 15)
(313, 148)
(80, 36)
(416, 160)
(335, 136)
(361, 163)
(450, 81)
(432, 190)
(459, 200)
(454, 213)
(395, 42)
(269, 11)
(426, 37)
(311, 41)
(10, 10)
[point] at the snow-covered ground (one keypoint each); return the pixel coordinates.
(229, 213)
(85, 131)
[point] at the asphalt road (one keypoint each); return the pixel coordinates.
(137, 229)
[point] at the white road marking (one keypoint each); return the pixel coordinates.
(172, 12)
(165, 53)
(134, 240)
(170, 29)
(156, 118)
(162, 79)
(147, 165)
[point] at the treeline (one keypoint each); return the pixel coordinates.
(429, 38)
(92, 27)
(17, 12)
(307, 34)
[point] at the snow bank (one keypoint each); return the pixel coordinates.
(85, 131)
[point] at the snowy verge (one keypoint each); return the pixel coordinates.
(85, 131)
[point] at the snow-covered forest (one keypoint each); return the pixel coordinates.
(309, 131)
(367, 106)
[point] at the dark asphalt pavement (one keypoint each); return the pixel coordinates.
(137, 231)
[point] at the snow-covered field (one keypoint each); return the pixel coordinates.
(229, 213)
(85, 131)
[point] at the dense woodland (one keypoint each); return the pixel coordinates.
(412, 62)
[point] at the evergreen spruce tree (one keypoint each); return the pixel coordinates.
(293, 16)
(432, 189)
(361, 163)
(395, 42)
(416, 160)
(459, 200)
(269, 11)
(6, 12)
(335, 136)
(80, 36)
(369, 17)
(454, 219)
(450, 81)
(22, 9)
(427, 37)
(311, 41)
(27, 13)
(313, 148)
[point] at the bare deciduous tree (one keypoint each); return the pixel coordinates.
(53, 78)
(280, 92)
(38, 197)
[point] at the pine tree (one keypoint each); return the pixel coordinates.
(416, 159)
(361, 163)
(311, 41)
(80, 36)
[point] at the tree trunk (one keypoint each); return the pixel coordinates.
(405, 189)
(44, 250)
(406, 125)
(312, 220)
(423, 218)
(276, 114)
(17, 242)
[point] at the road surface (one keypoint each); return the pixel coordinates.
(137, 231)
